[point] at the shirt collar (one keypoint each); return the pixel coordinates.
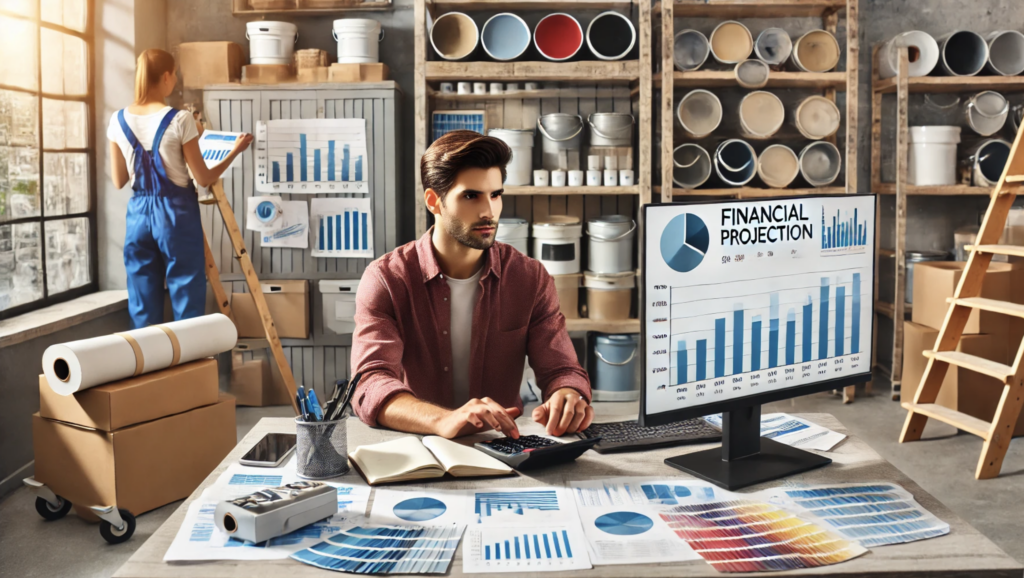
(430, 268)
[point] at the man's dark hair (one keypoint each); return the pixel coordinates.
(458, 150)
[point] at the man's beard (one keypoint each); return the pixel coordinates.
(464, 234)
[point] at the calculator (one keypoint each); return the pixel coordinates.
(531, 452)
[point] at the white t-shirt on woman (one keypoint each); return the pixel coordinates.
(181, 130)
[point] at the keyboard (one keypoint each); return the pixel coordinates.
(628, 436)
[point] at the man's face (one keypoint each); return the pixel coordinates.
(471, 208)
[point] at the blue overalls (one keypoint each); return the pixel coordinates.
(163, 240)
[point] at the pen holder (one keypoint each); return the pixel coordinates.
(321, 449)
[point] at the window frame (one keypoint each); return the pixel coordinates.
(89, 98)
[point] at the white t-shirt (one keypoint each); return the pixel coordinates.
(181, 130)
(463, 300)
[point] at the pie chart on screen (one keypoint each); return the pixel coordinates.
(419, 509)
(684, 242)
(624, 523)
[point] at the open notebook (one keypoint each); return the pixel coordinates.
(408, 458)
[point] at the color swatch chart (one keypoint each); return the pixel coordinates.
(312, 156)
(492, 503)
(508, 549)
(342, 227)
(386, 550)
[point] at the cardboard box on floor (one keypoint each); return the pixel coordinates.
(257, 382)
(204, 63)
(288, 302)
(936, 281)
(140, 467)
(962, 390)
(134, 400)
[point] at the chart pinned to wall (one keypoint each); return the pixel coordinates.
(342, 227)
(283, 224)
(216, 145)
(323, 155)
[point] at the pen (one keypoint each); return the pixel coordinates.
(348, 395)
(303, 408)
(341, 384)
(314, 406)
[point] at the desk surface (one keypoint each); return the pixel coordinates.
(964, 552)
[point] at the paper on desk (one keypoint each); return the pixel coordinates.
(641, 492)
(548, 548)
(792, 431)
(522, 507)
(384, 549)
(422, 507)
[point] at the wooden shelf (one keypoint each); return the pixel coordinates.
(522, 5)
(624, 326)
(752, 192)
(934, 84)
(727, 79)
(949, 190)
(725, 9)
(588, 71)
(607, 91)
(514, 190)
(305, 8)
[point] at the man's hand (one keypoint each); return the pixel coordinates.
(564, 412)
(479, 415)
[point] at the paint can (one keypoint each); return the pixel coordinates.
(568, 289)
(271, 42)
(358, 40)
(820, 163)
(699, 113)
(505, 36)
(558, 36)
(816, 51)
(962, 53)
(1017, 117)
(986, 112)
(778, 166)
(761, 115)
(559, 132)
(611, 36)
(609, 295)
(922, 52)
(616, 370)
(1005, 52)
(773, 46)
(987, 160)
(692, 165)
(454, 36)
(520, 168)
(735, 162)
(556, 243)
(515, 232)
(611, 129)
(690, 50)
(610, 244)
(752, 74)
(817, 117)
(932, 155)
(731, 42)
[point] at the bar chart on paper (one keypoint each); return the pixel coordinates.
(525, 549)
(216, 145)
(312, 156)
(342, 227)
(493, 504)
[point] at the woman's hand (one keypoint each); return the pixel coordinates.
(242, 143)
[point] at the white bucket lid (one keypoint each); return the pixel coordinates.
(367, 24)
(513, 137)
(558, 227)
(935, 134)
(267, 27)
(513, 228)
(342, 286)
(609, 281)
(818, 117)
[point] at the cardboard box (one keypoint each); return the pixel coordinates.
(376, 72)
(962, 390)
(314, 75)
(134, 400)
(288, 302)
(936, 281)
(140, 467)
(248, 380)
(204, 63)
(268, 73)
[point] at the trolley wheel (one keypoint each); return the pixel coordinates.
(48, 512)
(115, 536)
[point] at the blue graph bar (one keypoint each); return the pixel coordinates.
(840, 318)
(554, 538)
(755, 343)
(497, 551)
(855, 316)
(303, 159)
(277, 172)
(337, 231)
(344, 162)
(773, 331)
(565, 538)
(289, 170)
(366, 244)
(547, 547)
(737, 338)
(359, 168)
(316, 165)
(330, 160)
(720, 347)
(848, 232)
(330, 238)
(536, 546)
(702, 359)
(508, 553)
(823, 321)
(322, 233)
(681, 362)
(355, 230)
(526, 545)
(518, 555)
(807, 334)
(790, 337)
(487, 552)
(348, 230)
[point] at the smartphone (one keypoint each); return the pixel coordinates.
(271, 451)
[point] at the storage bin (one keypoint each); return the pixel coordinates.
(556, 244)
(616, 372)
(271, 42)
(288, 303)
(339, 305)
(610, 244)
(358, 40)
(609, 296)
(568, 287)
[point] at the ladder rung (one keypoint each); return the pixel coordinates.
(1000, 371)
(1011, 250)
(993, 305)
(1015, 179)
(968, 423)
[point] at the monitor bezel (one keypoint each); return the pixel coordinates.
(662, 418)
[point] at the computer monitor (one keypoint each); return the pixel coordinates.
(746, 302)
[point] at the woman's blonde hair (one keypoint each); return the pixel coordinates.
(149, 68)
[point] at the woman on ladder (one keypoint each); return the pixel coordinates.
(153, 146)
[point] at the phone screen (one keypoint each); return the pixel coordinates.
(271, 448)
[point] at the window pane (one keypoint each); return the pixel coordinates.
(67, 254)
(65, 183)
(76, 69)
(68, 13)
(19, 38)
(19, 182)
(23, 7)
(64, 63)
(21, 277)
(52, 11)
(19, 119)
(64, 124)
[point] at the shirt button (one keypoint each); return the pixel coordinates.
(446, 369)
(445, 298)
(445, 332)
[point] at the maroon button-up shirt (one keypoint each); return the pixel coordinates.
(403, 317)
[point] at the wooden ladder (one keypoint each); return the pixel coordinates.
(999, 432)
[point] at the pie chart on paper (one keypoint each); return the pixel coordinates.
(684, 242)
(624, 523)
(420, 509)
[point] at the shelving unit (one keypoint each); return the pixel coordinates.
(304, 7)
(902, 86)
(583, 87)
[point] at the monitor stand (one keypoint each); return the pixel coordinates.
(746, 458)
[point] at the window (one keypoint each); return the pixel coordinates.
(47, 160)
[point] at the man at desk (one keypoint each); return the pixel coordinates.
(444, 324)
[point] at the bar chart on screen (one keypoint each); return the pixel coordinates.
(312, 156)
(532, 549)
(342, 227)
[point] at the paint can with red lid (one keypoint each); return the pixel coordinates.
(558, 36)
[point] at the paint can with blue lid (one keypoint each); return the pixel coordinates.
(505, 36)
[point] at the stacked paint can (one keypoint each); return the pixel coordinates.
(556, 244)
(615, 368)
(609, 278)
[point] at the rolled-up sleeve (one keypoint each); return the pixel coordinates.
(377, 348)
(551, 353)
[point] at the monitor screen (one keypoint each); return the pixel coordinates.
(751, 301)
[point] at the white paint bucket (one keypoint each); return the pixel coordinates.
(986, 112)
(962, 53)
(690, 50)
(611, 36)
(752, 74)
(773, 46)
(515, 232)
(454, 36)
(520, 168)
(358, 40)
(761, 115)
(610, 243)
(922, 52)
(987, 160)
(556, 243)
(816, 51)
(817, 117)
(611, 129)
(932, 159)
(271, 42)
(778, 166)
(609, 296)
(559, 132)
(820, 163)
(1006, 52)
(731, 42)
(735, 162)
(692, 166)
(699, 113)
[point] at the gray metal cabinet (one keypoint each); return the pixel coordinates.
(323, 358)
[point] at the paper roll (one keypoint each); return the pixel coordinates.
(78, 365)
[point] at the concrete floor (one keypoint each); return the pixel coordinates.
(944, 466)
